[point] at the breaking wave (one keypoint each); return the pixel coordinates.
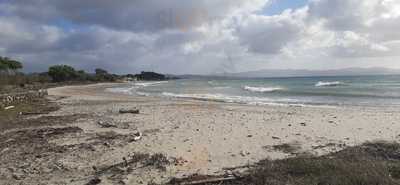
(123, 90)
(234, 99)
(323, 84)
(262, 89)
(146, 84)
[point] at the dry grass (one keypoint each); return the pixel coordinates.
(289, 148)
(13, 117)
(369, 164)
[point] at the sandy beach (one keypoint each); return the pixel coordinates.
(179, 137)
(209, 137)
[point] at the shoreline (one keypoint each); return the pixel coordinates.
(223, 101)
(191, 132)
(338, 115)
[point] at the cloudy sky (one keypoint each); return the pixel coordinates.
(201, 36)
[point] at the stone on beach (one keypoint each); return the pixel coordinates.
(106, 124)
(129, 111)
(9, 107)
(136, 136)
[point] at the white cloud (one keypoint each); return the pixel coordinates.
(201, 36)
(269, 34)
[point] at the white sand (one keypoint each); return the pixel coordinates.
(211, 135)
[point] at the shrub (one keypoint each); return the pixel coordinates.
(60, 73)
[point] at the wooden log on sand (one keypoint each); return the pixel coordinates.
(129, 111)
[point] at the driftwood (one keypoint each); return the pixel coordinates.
(207, 180)
(32, 113)
(239, 167)
(129, 111)
(9, 107)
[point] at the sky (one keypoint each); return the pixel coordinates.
(201, 36)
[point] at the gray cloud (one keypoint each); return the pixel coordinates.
(137, 15)
(176, 36)
(269, 34)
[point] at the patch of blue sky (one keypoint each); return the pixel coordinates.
(278, 6)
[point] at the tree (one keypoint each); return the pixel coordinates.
(150, 76)
(82, 75)
(100, 71)
(103, 75)
(60, 73)
(14, 65)
(7, 65)
(3, 66)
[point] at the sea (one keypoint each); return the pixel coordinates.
(296, 91)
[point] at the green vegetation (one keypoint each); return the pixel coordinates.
(8, 65)
(9, 74)
(61, 73)
(65, 73)
(12, 80)
(103, 75)
(150, 76)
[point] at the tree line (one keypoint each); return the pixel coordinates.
(62, 73)
(10, 74)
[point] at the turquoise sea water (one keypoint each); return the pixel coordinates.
(351, 90)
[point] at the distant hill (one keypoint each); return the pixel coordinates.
(304, 72)
(152, 76)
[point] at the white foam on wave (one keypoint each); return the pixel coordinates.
(145, 84)
(222, 87)
(142, 93)
(245, 100)
(262, 89)
(123, 90)
(133, 89)
(211, 82)
(322, 84)
(232, 99)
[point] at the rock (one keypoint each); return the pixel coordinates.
(129, 111)
(136, 136)
(94, 181)
(4, 150)
(274, 137)
(18, 176)
(244, 153)
(124, 125)
(106, 144)
(180, 161)
(126, 181)
(106, 124)
(11, 169)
